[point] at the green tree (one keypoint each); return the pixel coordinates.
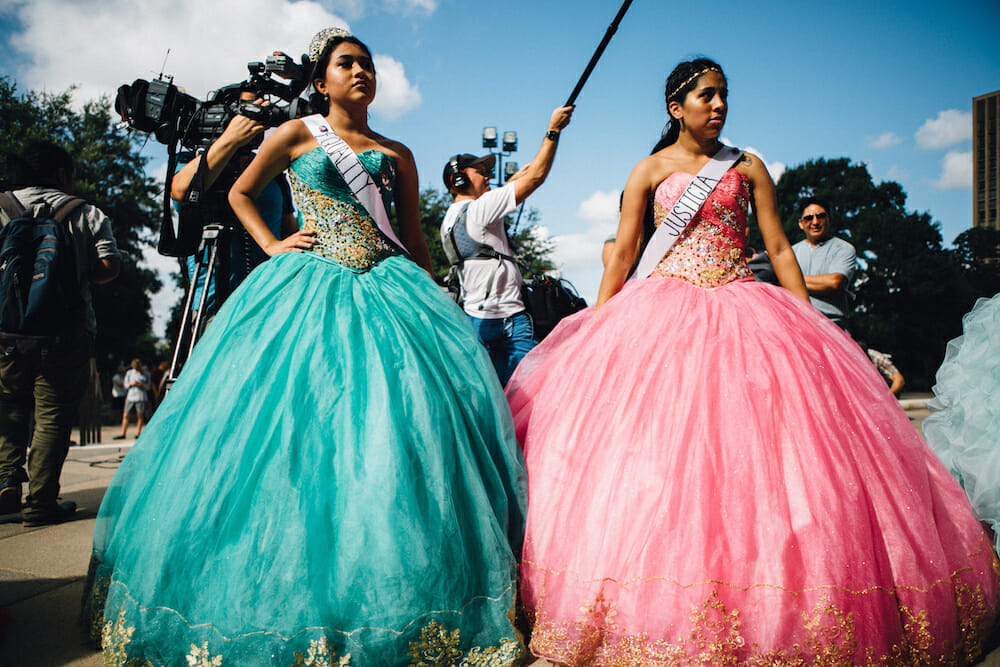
(110, 173)
(533, 249)
(433, 206)
(978, 251)
(910, 292)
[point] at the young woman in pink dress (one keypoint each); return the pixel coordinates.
(717, 474)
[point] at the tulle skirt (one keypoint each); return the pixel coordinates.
(964, 425)
(332, 480)
(720, 476)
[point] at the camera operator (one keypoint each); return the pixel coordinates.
(224, 160)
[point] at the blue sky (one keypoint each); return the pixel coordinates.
(889, 84)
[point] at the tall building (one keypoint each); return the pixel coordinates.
(985, 162)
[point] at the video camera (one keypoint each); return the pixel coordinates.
(164, 110)
(161, 108)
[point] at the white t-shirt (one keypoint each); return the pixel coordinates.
(136, 394)
(484, 223)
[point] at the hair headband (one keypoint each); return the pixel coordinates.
(710, 68)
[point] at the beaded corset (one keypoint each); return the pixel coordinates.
(345, 232)
(712, 250)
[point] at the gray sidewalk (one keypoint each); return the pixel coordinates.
(42, 570)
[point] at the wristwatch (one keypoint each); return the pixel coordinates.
(552, 135)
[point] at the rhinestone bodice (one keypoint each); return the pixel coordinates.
(712, 250)
(345, 232)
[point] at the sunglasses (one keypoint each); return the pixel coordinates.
(818, 216)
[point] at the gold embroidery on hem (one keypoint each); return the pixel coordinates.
(439, 646)
(715, 637)
(319, 655)
(347, 633)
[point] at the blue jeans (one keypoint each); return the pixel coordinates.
(507, 339)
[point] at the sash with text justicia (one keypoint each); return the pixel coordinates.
(684, 209)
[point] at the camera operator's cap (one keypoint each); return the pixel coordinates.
(319, 41)
(466, 160)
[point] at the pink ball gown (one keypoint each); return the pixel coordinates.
(717, 475)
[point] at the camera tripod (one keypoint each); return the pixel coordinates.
(212, 260)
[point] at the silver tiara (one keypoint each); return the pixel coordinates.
(319, 42)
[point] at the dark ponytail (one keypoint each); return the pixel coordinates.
(682, 81)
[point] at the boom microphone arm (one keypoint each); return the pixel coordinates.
(597, 54)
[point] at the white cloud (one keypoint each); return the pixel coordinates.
(115, 41)
(897, 173)
(349, 8)
(396, 95)
(956, 171)
(777, 170)
(884, 140)
(600, 207)
(578, 255)
(949, 128)
(112, 42)
(358, 8)
(411, 5)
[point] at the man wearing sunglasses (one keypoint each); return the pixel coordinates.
(827, 262)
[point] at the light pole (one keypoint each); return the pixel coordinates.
(503, 171)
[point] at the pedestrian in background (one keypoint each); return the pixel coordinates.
(47, 381)
(137, 384)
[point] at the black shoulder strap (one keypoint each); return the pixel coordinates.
(485, 251)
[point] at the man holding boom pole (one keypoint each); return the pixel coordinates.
(476, 243)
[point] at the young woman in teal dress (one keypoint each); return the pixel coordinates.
(333, 479)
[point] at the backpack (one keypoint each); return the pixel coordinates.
(548, 300)
(39, 285)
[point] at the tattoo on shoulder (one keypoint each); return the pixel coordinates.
(746, 159)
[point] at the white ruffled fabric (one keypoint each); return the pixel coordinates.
(964, 425)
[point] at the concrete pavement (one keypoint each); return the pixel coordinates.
(42, 570)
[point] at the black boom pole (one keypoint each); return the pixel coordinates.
(597, 54)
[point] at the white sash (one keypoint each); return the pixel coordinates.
(354, 173)
(685, 208)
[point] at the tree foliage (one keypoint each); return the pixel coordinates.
(978, 251)
(910, 291)
(110, 173)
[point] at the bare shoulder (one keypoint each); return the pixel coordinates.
(650, 171)
(752, 167)
(395, 149)
(292, 131)
(291, 137)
